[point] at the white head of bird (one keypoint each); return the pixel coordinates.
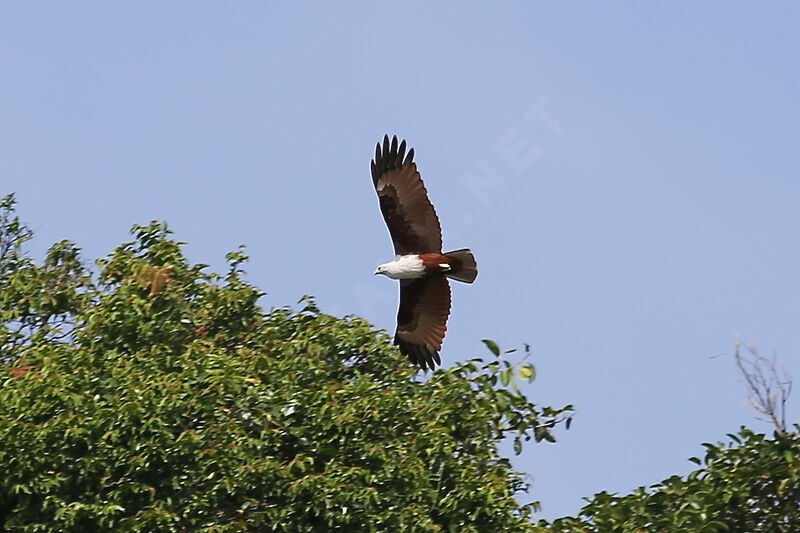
(402, 267)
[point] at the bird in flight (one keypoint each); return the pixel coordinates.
(419, 264)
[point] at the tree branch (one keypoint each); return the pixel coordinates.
(768, 387)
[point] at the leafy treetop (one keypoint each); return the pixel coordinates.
(155, 396)
(752, 484)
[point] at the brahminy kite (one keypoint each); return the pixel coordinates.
(419, 263)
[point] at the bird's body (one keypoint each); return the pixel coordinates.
(420, 265)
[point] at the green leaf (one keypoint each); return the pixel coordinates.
(517, 445)
(493, 347)
(528, 372)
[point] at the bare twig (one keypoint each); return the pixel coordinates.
(768, 387)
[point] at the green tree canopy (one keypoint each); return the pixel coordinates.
(155, 396)
(751, 485)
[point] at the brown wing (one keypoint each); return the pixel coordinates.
(404, 201)
(422, 319)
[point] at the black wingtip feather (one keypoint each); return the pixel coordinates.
(419, 354)
(409, 157)
(390, 155)
(401, 152)
(393, 150)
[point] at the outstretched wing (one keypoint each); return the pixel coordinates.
(422, 319)
(404, 201)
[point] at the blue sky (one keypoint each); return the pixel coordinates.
(627, 175)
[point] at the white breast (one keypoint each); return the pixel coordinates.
(404, 267)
